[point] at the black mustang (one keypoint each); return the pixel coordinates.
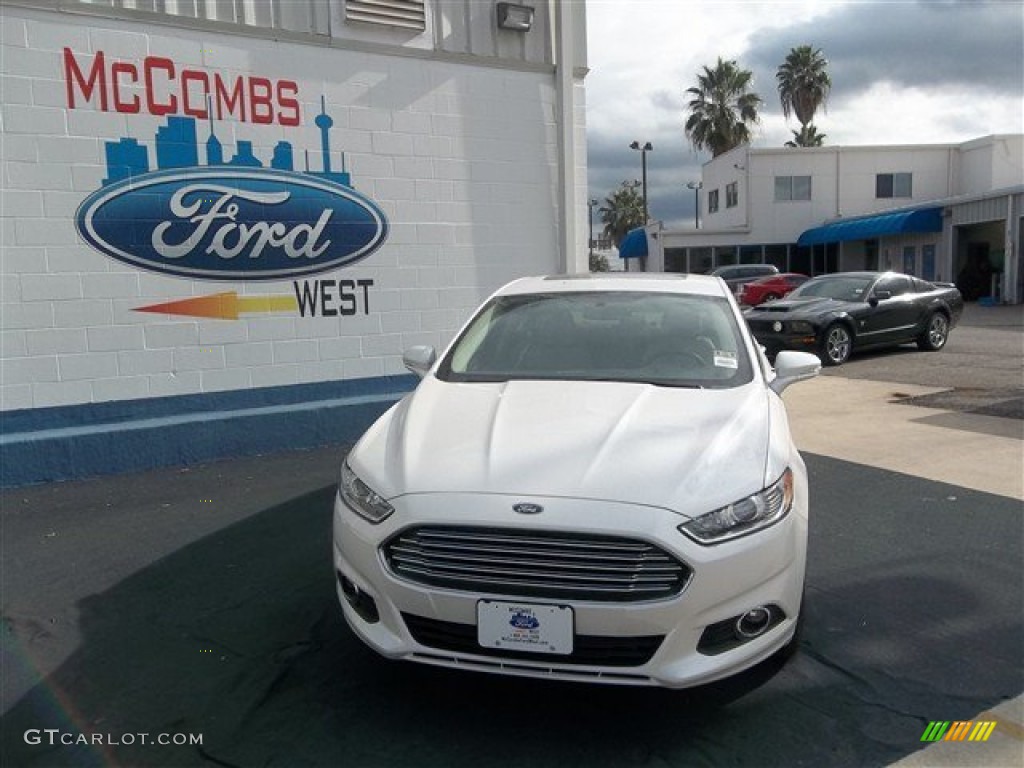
(835, 314)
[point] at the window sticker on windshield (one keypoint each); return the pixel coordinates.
(725, 359)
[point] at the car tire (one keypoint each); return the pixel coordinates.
(769, 297)
(936, 332)
(836, 344)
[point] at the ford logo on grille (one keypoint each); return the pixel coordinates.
(227, 223)
(528, 509)
(524, 621)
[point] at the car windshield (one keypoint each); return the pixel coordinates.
(666, 339)
(841, 287)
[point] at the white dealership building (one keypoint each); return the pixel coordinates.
(949, 212)
(223, 220)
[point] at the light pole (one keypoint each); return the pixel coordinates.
(696, 187)
(591, 204)
(643, 149)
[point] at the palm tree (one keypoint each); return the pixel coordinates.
(804, 84)
(807, 136)
(622, 211)
(722, 108)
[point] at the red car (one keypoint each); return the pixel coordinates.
(770, 288)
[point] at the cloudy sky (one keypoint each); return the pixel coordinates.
(903, 72)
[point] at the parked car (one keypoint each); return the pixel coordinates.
(840, 313)
(736, 275)
(595, 482)
(770, 288)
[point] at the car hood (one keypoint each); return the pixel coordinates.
(809, 307)
(682, 449)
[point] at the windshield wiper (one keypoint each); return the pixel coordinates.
(673, 384)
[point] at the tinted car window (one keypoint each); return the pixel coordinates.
(897, 285)
(658, 338)
(841, 287)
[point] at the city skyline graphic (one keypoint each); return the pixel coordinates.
(177, 146)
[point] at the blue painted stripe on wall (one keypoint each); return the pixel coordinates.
(190, 430)
(33, 419)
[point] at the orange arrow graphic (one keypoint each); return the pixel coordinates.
(223, 306)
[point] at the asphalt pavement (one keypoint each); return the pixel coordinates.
(185, 602)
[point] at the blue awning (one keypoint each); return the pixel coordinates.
(634, 244)
(869, 227)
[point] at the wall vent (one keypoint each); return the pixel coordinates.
(408, 14)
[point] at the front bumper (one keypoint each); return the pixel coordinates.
(651, 642)
(777, 335)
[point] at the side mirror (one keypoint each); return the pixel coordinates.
(419, 360)
(791, 367)
(878, 296)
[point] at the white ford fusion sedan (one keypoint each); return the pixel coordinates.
(596, 481)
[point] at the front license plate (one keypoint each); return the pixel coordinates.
(525, 627)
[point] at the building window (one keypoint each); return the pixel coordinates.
(675, 260)
(928, 262)
(732, 195)
(792, 188)
(909, 260)
(701, 260)
(713, 201)
(894, 185)
(725, 255)
(778, 255)
(750, 254)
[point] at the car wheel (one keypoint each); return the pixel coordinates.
(836, 345)
(770, 297)
(935, 334)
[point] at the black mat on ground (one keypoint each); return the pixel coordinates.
(915, 614)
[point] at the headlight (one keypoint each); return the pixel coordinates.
(363, 500)
(799, 326)
(744, 516)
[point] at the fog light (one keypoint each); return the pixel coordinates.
(754, 622)
(733, 632)
(361, 603)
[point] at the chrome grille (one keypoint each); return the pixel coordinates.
(568, 566)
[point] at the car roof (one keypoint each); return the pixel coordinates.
(870, 275)
(643, 282)
(735, 267)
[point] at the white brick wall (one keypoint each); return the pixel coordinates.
(457, 155)
(112, 338)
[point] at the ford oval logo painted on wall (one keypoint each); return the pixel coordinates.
(226, 224)
(233, 218)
